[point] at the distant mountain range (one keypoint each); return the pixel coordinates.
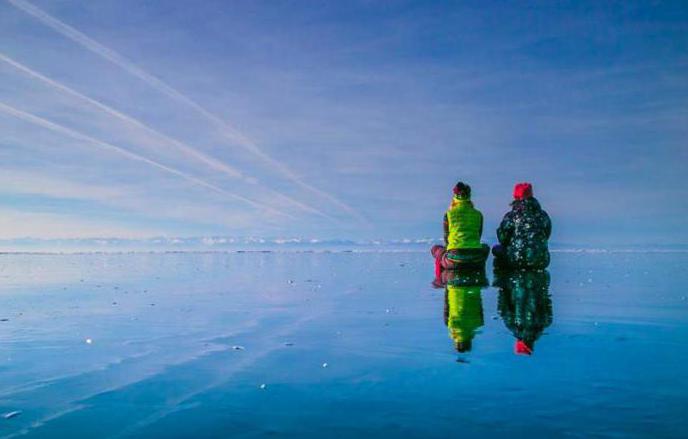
(232, 244)
(206, 243)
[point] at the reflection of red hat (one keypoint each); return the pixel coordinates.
(523, 190)
(522, 348)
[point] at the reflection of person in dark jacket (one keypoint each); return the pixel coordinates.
(525, 306)
(463, 305)
(523, 233)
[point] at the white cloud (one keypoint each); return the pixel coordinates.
(18, 224)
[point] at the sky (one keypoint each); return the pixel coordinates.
(130, 119)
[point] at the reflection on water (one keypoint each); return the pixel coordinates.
(463, 305)
(162, 364)
(525, 306)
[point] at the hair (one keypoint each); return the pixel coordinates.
(463, 346)
(462, 189)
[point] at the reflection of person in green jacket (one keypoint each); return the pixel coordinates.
(525, 306)
(523, 233)
(463, 306)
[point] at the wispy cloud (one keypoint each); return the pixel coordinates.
(383, 113)
(44, 193)
(227, 130)
(19, 224)
(31, 118)
(167, 141)
(26, 182)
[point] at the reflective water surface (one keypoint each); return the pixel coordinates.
(341, 345)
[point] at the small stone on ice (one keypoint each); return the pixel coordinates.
(238, 348)
(289, 343)
(89, 341)
(324, 365)
(263, 386)
(10, 415)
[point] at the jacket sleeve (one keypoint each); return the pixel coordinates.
(446, 229)
(547, 224)
(505, 230)
(480, 231)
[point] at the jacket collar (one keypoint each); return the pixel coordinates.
(528, 203)
(456, 201)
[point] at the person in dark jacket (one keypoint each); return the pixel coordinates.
(523, 233)
(463, 226)
(525, 306)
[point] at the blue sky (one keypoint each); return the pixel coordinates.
(341, 119)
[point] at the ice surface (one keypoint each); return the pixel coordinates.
(342, 345)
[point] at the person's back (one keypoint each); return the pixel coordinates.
(463, 226)
(523, 233)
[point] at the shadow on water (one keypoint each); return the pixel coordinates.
(525, 306)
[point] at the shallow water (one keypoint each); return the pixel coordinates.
(339, 345)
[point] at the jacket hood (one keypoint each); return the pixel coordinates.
(526, 204)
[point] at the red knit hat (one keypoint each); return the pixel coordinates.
(523, 190)
(522, 348)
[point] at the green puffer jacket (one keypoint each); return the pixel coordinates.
(524, 303)
(523, 234)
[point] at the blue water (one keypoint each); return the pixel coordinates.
(337, 345)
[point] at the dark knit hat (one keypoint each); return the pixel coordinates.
(462, 190)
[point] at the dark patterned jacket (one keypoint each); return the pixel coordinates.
(523, 234)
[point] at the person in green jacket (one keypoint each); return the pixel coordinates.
(463, 227)
(525, 305)
(523, 233)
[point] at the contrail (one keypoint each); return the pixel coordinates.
(31, 118)
(186, 149)
(226, 130)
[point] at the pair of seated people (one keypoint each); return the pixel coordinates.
(523, 234)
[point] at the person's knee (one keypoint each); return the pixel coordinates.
(436, 251)
(447, 263)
